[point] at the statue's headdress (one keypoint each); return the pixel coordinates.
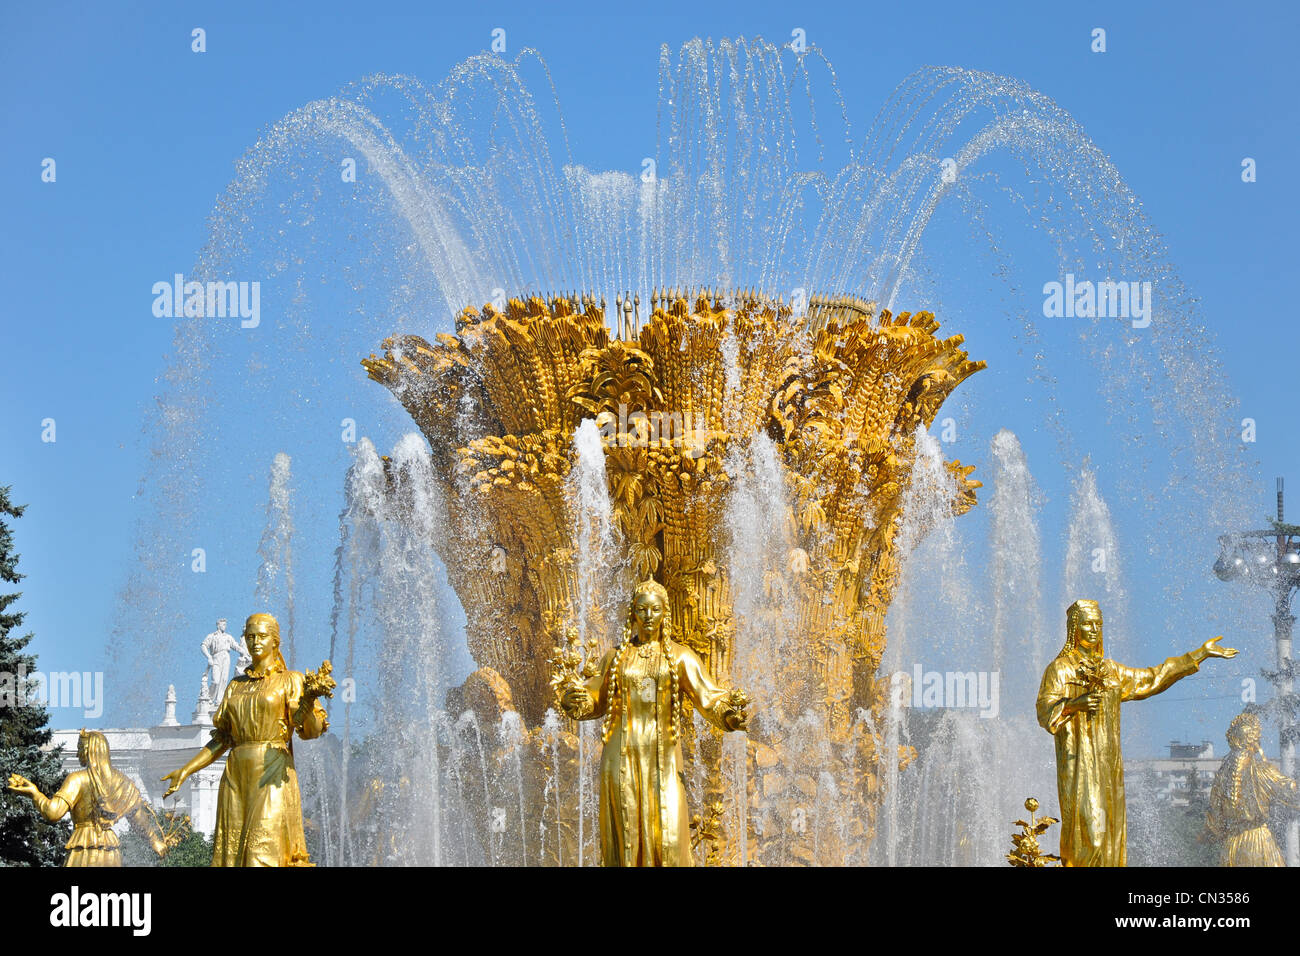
(1074, 614)
(651, 586)
(1237, 729)
(1232, 770)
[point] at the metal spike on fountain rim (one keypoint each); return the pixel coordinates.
(839, 386)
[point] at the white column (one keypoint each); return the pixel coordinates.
(204, 786)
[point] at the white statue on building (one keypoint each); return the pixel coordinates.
(216, 648)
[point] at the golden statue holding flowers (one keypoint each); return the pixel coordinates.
(259, 807)
(1079, 704)
(639, 688)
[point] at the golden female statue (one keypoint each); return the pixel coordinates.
(97, 797)
(1244, 789)
(1078, 703)
(259, 808)
(638, 688)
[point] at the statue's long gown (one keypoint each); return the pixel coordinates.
(644, 818)
(1089, 768)
(259, 808)
(1244, 789)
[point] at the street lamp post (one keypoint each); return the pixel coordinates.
(1270, 559)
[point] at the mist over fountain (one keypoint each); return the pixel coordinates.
(447, 753)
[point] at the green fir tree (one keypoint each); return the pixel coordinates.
(26, 838)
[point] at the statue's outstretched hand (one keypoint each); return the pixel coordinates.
(20, 784)
(1211, 648)
(177, 777)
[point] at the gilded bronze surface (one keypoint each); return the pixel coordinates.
(1245, 789)
(1079, 704)
(1025, 850)
(639, 689)
(259, 806)
(96, 797)
(841, 389)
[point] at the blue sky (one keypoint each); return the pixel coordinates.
(145, 135)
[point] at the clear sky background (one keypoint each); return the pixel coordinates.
(145, 135)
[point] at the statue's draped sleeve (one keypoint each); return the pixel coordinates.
(128, 803)
(1061, 683)
(709, 698)
(55, 807)
(1054, 692)
(1138, 683)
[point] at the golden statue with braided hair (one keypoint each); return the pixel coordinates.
(96, 797)
(259, 806)
(639, 689)
(1245, 788)
(1078, 703)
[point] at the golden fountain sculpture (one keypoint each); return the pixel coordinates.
(640, 689)
(840, 387)
(1079, 704)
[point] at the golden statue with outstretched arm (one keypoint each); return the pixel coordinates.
(259, 806)
(96, 797)
(639, 688)
(1079, 703)
(1245, 788)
